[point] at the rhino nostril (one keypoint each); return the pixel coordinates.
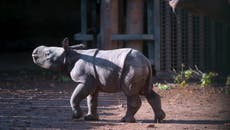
(34, 53)
(35, 57)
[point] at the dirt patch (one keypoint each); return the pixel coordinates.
(33, 101)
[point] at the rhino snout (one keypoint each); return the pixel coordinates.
(36, 53)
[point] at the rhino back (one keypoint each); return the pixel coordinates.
(109, 66)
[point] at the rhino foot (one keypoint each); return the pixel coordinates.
(77, 115)
(159, 116)
(128, 119)
(91, 117)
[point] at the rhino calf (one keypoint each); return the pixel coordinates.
(109, 71)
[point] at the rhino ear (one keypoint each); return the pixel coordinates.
(65, 43)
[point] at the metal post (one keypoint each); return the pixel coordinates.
(157, 34)
(150, 29)
(190, 40)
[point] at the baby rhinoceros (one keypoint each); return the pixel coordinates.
(110, 71)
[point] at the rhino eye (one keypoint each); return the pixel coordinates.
(47, 53)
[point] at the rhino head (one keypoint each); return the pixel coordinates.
(52, 58)
(216, 9)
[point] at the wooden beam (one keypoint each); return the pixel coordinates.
(83, 37)
(108, 23)
(114, 20)
(132, 37)
(105, 25)
(117, 37)
(134, 21)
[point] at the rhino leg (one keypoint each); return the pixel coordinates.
(133, 104)
(92, 100)
(80, 92)
(155, 102)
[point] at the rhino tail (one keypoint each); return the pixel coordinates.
(149, 82)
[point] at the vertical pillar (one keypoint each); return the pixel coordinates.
(201, 42)
(213, 45)
(134, 21)
(150, 29)
(115, 21)
(225, 48)
(157, 34)
(168, 38)
(190, 40)
(94, 22)
(179, 41)
(109, 23)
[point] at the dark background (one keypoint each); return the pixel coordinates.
(191, 40)
(28, 23)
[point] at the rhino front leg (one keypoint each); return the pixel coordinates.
(133, 104)
(92, 100)
(78, 95)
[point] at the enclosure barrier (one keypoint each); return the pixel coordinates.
(171, 40)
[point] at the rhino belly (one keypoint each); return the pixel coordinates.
(109, 77)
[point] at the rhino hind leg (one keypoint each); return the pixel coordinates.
(133, 104)
(155, 102)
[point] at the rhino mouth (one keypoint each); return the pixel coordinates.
(35, 56)
(35, 59)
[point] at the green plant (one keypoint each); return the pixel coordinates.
(188, 74)
(163, 86)
(227, 87)
(227, 83)
(182, 77)
(62, 78)
(178, 78)
(207, 79)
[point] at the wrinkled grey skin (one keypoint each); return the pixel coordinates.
(110, 71)
(216, 9)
